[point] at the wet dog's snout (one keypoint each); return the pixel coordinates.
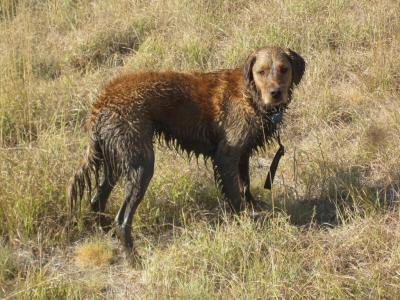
(276, 93)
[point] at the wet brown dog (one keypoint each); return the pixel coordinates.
(223, 115)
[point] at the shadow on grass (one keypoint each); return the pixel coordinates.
(340, 195)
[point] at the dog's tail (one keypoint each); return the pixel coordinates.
(81, 181)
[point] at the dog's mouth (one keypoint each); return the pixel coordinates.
(277, 103)
(272, 108)
(271, 103)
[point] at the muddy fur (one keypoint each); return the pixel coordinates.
(223, 115)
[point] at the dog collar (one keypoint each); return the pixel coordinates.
(276, 117)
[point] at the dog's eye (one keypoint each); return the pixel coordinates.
(262, 72)
(283, 70)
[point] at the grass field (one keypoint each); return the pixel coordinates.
(331, 229)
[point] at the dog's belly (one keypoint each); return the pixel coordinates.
(193, 139)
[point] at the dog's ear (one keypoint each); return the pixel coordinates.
(248, 69)
(298, 65)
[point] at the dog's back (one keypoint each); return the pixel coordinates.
(185, 109)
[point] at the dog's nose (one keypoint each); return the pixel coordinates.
(275, 93)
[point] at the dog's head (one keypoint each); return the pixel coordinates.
(270, 75)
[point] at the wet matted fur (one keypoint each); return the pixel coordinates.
(223, 115)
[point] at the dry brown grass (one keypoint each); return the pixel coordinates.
(93, 254)
(331, 230)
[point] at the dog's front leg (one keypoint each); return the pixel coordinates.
(226, 171)
(245, 178)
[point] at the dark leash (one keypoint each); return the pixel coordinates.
(275, 119)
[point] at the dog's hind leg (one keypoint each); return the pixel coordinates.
(99, 200)
(137, 179)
